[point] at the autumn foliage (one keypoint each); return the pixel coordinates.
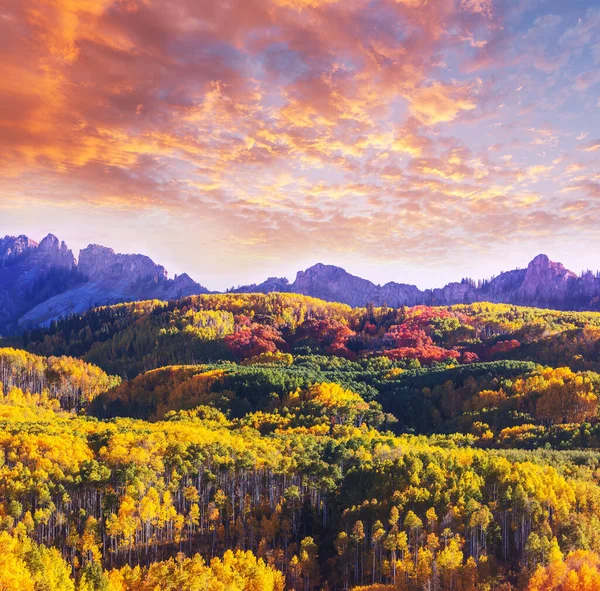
(580, 571)
(260, 442)
(70, 381)
(251, 340)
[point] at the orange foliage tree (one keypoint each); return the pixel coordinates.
(580, 571)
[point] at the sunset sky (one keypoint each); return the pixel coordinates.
(407, 140)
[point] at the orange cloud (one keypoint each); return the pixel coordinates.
(538, 169)
(592, 146)
(440, 102)
(302, 4)
(484, 7)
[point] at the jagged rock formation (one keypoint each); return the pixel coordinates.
(42, 282)
(101, 262)
(31, 273)
(543, 284)
(14, 247)
(48, 253)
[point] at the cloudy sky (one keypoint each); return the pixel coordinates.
(409, 140)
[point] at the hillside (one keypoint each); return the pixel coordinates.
(432, 370)
(128, 339)
(278, 441)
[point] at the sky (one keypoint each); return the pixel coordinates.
(419, 141)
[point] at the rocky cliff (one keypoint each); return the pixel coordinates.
(31, 273)
(42, 282)
(34, 257)
(103, 263)
(12, 248)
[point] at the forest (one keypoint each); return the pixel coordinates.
(253, 442)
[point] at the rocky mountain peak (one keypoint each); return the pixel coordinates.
(50, 242)
(318, 269)
(12, 247)
(542, 266)
(546, 282)
(43, 282)
(541, 260)
(322, 272)
(542, 283)
(332, 283)
(102, 263)
(52, 252)
(183, 281)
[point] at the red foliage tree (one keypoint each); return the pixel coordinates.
(503, 347)
(412, 342)
(426, 354)
(339, 346)
(253, 339)
(423, 315)
(469, 357)
(370, 329)
(330, 335)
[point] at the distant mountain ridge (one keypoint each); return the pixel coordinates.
(43, 282)
(543, 283)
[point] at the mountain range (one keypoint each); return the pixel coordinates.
(543, 283)
(43, 282)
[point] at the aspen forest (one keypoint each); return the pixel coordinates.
(279, 442)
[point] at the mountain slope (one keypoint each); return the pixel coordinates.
(31, 273)
(42, 282)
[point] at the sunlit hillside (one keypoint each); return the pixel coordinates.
(281, 442)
